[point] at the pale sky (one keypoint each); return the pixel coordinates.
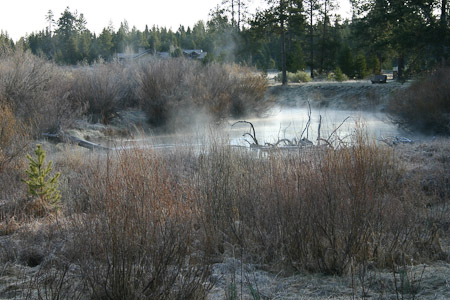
(19, 17)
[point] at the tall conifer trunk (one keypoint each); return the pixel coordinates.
(444, 31)
(324, 33)
(311, 38)
(283, 44)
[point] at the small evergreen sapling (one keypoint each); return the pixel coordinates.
(42, 188)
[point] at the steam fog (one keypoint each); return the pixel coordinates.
(289, 123)
(278, 123)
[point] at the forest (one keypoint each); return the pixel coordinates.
(290, 35)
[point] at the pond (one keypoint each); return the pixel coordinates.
(279, 123)
(290, 123)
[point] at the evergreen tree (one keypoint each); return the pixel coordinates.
(409, 29)
(328, 45)
(277, 18)
(50, 21)
(105, 44)
(42, 187)
(346, 61)
(6, 44)
(360, 66)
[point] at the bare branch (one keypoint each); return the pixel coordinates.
(337, 128)
(307, 123)
(253, 136)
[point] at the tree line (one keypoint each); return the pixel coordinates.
(288, 35)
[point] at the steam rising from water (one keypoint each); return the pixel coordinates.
(280, 123)
(290, 122)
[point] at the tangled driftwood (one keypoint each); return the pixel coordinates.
(251, 134)
(290, 144)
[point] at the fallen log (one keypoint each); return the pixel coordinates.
(64, 138)
(395, 140)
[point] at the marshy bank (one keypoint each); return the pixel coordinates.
(347, 95)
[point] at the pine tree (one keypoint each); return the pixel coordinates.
(41, 186)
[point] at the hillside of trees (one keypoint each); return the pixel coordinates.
(288, 35)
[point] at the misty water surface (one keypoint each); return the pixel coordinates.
(289, 123)
(283, 123)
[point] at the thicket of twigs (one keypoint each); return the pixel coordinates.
(50, 97)
(144, 223)
(425, 105)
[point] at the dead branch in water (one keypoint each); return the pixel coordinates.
(307, 123)
(302, 142)
(337, 128)
(318, 130)
(326, 141)
(253, 136)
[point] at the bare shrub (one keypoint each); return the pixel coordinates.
(146, 224)
(36, 91)
(103, 89)
(13, 136)
(14, 140)
(425, 105)
(165, 85)
(170, 88)
(55, 280)
(137, 241)
(213, 89)
(232, 90)
(320, 211)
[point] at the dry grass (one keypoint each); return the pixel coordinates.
(323, 211)
(141, 223)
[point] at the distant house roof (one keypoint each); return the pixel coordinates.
(189, 53)
(194, 53)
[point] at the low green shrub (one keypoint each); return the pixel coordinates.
(337, 75)
(42, 187)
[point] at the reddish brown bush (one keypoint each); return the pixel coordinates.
(137, 241)
(36, 90)
(103, 89)
(321, 211)
(425, 105)
(169, 89)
